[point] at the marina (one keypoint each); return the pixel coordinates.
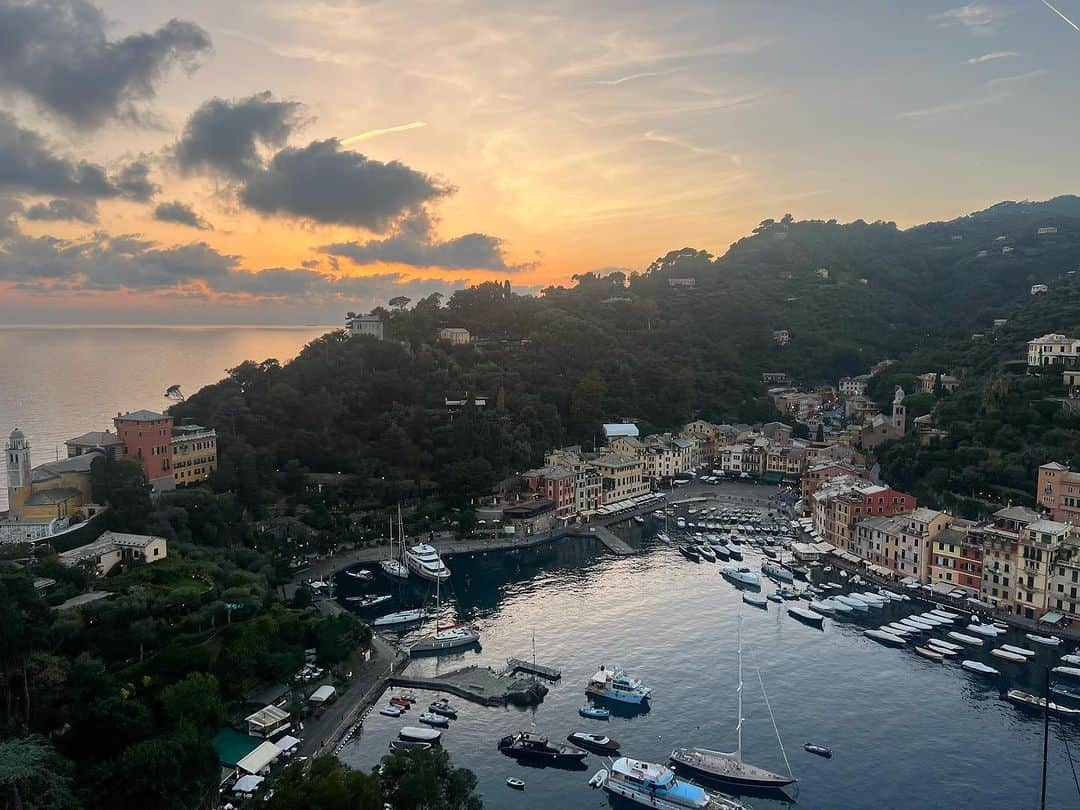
(823, 686)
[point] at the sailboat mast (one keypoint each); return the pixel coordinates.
(739, 726)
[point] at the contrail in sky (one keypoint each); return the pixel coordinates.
(1066, 19)
(375, 133)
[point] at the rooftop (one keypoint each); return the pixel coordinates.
(95, 438)
(141, 416)
(621, 429)
(1021, 514)
(109, 541)
(51, 497)
(1048, 527)
(54, 469)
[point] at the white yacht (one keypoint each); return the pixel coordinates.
(451, 637)
(653, 785)
(424, 561)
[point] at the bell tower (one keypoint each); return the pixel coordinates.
(17, 459)
(899, 411)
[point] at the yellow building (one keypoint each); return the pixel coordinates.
(622, 477)
(112, 548)
(194, 453)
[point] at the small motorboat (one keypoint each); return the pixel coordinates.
(1071, 659)
(854, 604)
(1064, 691)
(367, 601)
(409, 745)
(690, 553)
(819, 750)
(838, 607)
(945, 645)
(945, 651)
(740, 575)
(806, 616)
(885, 637)
(361, 574)
(600, 743)
(512, 781)
(594, 712)
(824, 608)
(721, 551)
(706, 553)
(832, 586)
(1023, 698)
(598, 778)
(735, 552)
(755, 599)
(1068, 672)
(1004, 654)
(945, 614)
(772, 552)
(401, 702)
(979, 667)
(914, 625)
(775, 597)
(1046, 641)
(930, 619)
(530, 747)
(931, 653)
(1018, 650)
(391, 711)
(437, 720)
(892, 597)
(775, 570)
(417, 734)
(639, 520)
(971, 641)
(897, 629)
(987, 630)
(443, 707)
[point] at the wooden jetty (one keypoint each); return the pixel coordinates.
(517, 665)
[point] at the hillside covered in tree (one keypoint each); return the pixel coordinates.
(643, 346)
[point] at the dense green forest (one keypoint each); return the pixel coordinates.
(1001, 423)
(617, 346)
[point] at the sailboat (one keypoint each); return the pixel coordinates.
(730, 767)
(394, 567)
(444, 638)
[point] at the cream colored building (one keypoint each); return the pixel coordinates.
(621, 477)
(194, 450)
(454, 335)
(112, 548)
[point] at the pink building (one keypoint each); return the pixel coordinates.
(147, 439)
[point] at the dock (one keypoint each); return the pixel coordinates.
(612, 542)
(478, 686)
(529, 668)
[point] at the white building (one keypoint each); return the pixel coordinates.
(1053, 350)
(454, 335)
(113, 547)
(366, 325)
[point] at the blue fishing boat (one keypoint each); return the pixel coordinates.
(594, 712)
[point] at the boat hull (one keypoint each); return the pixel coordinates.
(736, 773)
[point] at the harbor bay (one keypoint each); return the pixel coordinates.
(891, 718)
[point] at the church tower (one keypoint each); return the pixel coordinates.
(17, 458)
(899, 411)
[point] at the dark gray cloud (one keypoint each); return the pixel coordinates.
(103, 262)
(29, 166)
(324, 183)
(63, 209)
(57, 53)
(181, 214)
(415, 243)
(133, 182)
(223, 137)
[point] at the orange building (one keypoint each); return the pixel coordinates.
(147, 439)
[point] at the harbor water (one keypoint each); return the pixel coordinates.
(905, 731)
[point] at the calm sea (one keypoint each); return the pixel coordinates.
(57, 382)
(905, 732)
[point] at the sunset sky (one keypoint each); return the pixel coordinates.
(285, 161)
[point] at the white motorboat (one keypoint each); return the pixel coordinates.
(971, 641)
(1018, 650)
(851, 603)
(987, 630)
(915, 624)
(839, 607)
(598, 778)
(932, 654)
(367, 601)
(740, 575)
(885, 637)
(874, 597)
(997, 652)
(775, 570)
(945, 645)
(897, 629)
(394, 566)
(755, 599)
(806, 616)
(945, 614)
(933, 621)
(946, 651)
(401, 617)
(1035, 702)
(979, 667)
(424, 561)
(1046, 641)
(1070, 672)
(869, 603)
(1071, 659)
(391, 711)
(362, 574)
(418, 734)
(824, 608)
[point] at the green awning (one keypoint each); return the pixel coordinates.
(772, 477)
(1052, 618)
